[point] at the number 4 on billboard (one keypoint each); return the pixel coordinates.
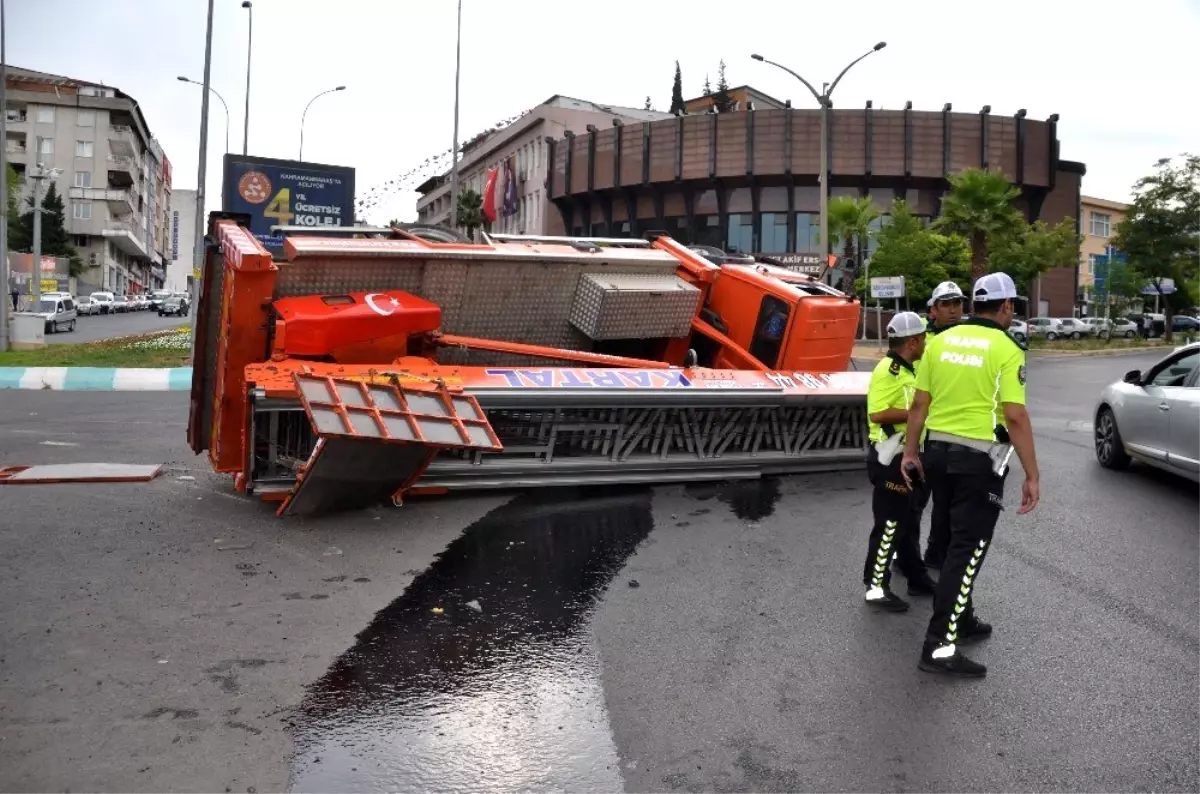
(280, 206)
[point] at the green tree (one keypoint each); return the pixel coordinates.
(649, 105)
(979, 207)
(56, 240)
(924, 258)
(850, 222)
(707, 87)
(16, 240)
(470, 210)
(677, 92)
(1161, 231)
(722, 101)
(1124, 285)
(1031, 249)
(394, 222)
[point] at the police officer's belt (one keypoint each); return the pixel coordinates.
(950, 438)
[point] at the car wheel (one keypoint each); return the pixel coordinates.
(1129, 334)
(1020, 337)
(71, 327)
(1110, 450)
(1076, 335)
(1051, 336)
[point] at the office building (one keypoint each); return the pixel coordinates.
(524, 141)
(183, 241)
(115, 178)
(1097, 225)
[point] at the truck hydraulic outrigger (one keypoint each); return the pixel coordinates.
(360, 368)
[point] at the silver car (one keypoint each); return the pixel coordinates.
(1153, 417)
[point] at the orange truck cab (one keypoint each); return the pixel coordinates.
(786, 320)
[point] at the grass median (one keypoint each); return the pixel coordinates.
(159, 349)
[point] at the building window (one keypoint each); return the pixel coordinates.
(677, 228)
(86, 118)
(808, 232)
(1091, 264)
(708, 231)
(45, 146)
(45, 115)
(774, 233)
(741, 233)
(82, 210)
(81, 241)
(83, 148)
(83, 179)
(1100, 224)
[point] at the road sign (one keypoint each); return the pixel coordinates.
(887, 287)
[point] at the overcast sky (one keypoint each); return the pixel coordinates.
(1123, 76)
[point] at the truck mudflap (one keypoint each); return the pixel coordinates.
(375, 440)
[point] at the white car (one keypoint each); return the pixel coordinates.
(104, 300)
(1019, 330)
(1047, 327)
(1153, 416)
(1076, 328)
(85, 305)
(59, 313)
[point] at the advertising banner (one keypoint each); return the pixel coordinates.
(287, 193)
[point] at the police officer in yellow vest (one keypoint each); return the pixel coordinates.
(945, 311)
(897, 512)
(970, 402)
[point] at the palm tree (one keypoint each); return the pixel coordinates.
(470, 210)
(850, 221)
(979, 207)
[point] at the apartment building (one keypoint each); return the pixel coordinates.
(523, 140)
(1097, 224)
(183, 241)
(115, 179)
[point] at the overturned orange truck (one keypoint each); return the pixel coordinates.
(370, 363)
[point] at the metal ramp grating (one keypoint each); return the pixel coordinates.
(374, 440)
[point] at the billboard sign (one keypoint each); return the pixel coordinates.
(174, 235)
(287, 193)
(810, 264)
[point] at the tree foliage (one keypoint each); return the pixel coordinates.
(470, 210)
(850, 222)
(677, 92)
(1030, 249)
(707, 87)
(922, 256)
(979, 207)
(1160, 234)
(56, 240)
(13, 198)
(722, 101)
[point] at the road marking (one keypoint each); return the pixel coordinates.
(59, 444)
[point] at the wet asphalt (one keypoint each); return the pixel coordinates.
(175, 636)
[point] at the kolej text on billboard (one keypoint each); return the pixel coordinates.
(287, 193)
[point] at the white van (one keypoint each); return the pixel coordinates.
(58, 313)
(104, 301)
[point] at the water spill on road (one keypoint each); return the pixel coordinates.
(752, 500)
(481, 676)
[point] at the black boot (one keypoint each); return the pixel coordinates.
(921, 585)
(974, 630)
(955, 665)
(885, 599)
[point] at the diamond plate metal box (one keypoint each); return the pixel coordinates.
(633, 306)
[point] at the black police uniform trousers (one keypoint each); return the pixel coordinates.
(895, 533)
(973, 496)
(939, 528)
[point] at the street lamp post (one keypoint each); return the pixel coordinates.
(4, 298)
(454, 148)
(38, 173)
(183, 79)
(202, 172)
(823, 99)
(246, 4)
(305, 114)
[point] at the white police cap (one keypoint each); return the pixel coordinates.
(905, 324)
(994, 287)
(947, 290)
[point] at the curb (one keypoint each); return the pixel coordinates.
(1128, 351)
(96, 378)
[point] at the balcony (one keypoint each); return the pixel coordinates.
(16, 147)
(122, 141)
(120, 202)
(127, 237)
(123, 169)
(15, 116)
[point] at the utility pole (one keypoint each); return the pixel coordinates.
(38, 174)
(454, 148)
(6, 299)
(201, 175)
(246, 4)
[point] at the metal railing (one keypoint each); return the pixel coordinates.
(16, 116)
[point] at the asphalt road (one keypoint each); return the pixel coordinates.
(175, 636)
(97, 327)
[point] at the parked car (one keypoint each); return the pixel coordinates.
(1047, 327)
(57, 312)
(1076, 328)
(173, 306)
(1019, 330)
(104, 300)
(1153, 417)
(157, 297)
(85, 305)
(1181, 323)
(120, 303)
